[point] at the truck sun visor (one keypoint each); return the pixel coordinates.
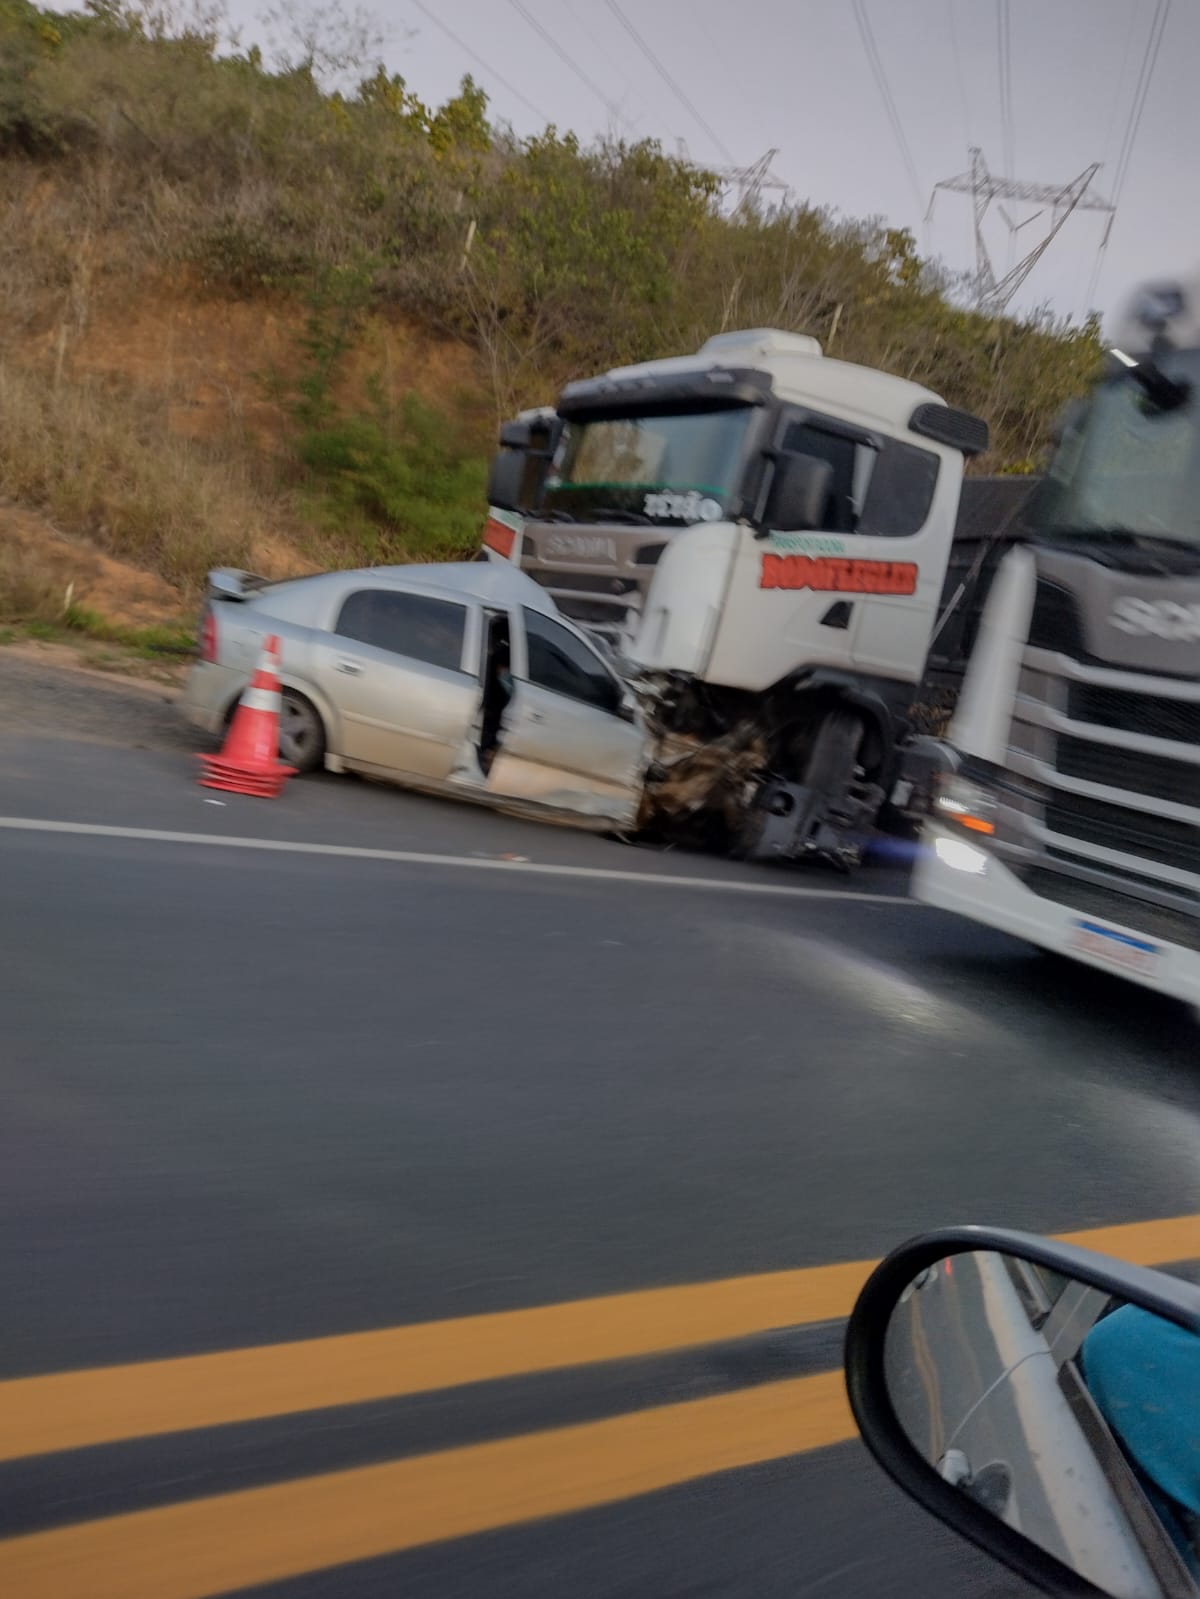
(707, 389)
(959, 429)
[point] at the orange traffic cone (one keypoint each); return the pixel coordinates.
(249, 763)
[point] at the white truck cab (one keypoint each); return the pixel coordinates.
(761, 534)
(1069, 813)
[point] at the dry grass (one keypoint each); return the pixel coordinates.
(105, 464)
(47, 592)
(30, 588)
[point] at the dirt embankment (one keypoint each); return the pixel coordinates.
(144, 434)
(220, 366)
(73, 571)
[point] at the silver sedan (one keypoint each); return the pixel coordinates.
(454, 679)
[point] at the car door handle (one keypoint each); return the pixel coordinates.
(351, 668)
(535, 716)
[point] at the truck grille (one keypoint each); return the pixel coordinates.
(1112, 719)
(1127, 712)
(584, 582)
(1096, 899)
(1055, 623)
(1155, 838)
(597, 601)
(1108, 764)
(598, 577)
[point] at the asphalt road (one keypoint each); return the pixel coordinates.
(253, 1095)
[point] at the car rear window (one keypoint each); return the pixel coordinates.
(415, 625)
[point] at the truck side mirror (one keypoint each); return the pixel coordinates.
(516, 436)
(799, 493)
(506, 480)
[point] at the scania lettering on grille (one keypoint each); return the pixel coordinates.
(1169, 619)
(827, 574)
(580, 546)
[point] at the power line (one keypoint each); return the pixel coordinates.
(582, 24)
(1119, 85)
(478, 59)
(875, 61)
(1141, 93)
(1098, 261)
(548, 39)
(666, 77)
(958, 72)
(1007, 138)
(1004, 65)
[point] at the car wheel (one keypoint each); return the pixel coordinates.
(301, 732)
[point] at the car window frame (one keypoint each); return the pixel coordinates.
(522, 668)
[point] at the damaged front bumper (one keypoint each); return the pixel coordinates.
(926, 762)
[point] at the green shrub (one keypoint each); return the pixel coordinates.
(401, 488)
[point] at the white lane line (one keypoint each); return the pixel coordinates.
(404, 857)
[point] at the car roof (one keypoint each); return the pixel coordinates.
(497, 581)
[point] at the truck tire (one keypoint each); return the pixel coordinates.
(835, 750)
(829, 770)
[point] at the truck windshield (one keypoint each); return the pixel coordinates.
(683, 468)
(1126, 468)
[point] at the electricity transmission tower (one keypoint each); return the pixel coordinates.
(752, 180)
(749, 181)
(992, 295)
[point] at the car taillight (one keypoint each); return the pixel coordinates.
(208, 635)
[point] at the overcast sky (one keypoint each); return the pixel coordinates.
(795, 74)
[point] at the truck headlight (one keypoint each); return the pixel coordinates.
(957, 799)
(963, 857)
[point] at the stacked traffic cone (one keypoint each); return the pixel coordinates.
(249, 763)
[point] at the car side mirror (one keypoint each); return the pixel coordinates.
(1041, 1400)
(799, 493)
(506, 480)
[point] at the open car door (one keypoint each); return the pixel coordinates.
(569, 739)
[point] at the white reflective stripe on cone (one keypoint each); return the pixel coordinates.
(261, 699)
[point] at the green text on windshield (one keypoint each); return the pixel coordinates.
(680, 468)
(1128, 467)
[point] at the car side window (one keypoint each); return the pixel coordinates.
(560, 662)
(415, 625)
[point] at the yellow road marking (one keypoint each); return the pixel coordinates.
(263, 1535)
(1143, 1243)
(71, 1410)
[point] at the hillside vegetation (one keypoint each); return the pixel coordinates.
(389, 280)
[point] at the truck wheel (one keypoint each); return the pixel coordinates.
(830, 768)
